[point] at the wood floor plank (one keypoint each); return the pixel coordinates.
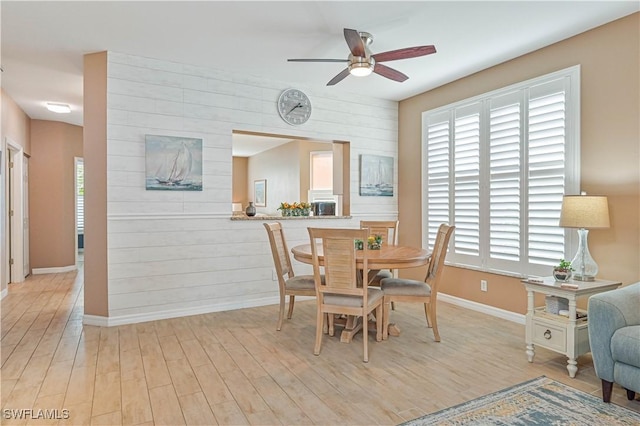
(81, 386)
(196, 410)
(156, 372)
(136, 407)
(194, 352)
(57, 378)
(229, 413)
(165, 406)
(212, 385)
(106, 394)
(183, 378)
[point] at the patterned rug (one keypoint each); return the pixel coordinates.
(540, 401)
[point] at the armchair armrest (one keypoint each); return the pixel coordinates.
(607, 312)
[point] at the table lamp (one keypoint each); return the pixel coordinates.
(584, 212)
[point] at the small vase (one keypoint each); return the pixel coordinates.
(251, 209)
(562, 275)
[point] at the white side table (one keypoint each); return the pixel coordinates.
(566, 335)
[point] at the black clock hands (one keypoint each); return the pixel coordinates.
(298, 105)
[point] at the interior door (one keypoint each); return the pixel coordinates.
(25, 215)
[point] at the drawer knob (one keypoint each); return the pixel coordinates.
(547, 334)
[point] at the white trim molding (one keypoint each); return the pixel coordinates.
(485, 309)
(113, 321)
(55, 270)
(4, 293)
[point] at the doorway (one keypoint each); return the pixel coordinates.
(17, 213)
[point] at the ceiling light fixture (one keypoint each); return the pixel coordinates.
(361, 66)
(59, 108)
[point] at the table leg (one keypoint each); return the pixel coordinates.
(394, 330)
(572, 367)
(350, 329)
(530, 352)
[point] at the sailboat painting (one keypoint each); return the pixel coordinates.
(173, 163)
(376, 175)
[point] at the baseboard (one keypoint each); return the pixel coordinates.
(56, 270)
(4, 293)
(485, 309)
(175, 313)
(113, 321)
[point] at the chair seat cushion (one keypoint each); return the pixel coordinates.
(373, 296)
(301, 282)
(377, 279)
(399, 286)
(625, 345)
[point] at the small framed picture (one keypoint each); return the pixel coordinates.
(260, 193)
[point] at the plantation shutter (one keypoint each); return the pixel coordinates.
(546, 171)
(466, 175)
(80, 195)
(437, 174)
(505, 179)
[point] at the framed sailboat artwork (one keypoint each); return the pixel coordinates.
(376, 175)
(173, 163)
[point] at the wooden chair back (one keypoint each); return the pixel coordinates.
(279, 250)
(388, 229)
(439, 253)
(340, 268)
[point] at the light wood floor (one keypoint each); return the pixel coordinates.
(234, 368)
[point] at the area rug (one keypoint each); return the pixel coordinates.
(540, 401)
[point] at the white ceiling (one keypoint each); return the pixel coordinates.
(249, 145)
(43, 42)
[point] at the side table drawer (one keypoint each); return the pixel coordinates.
(550, 336)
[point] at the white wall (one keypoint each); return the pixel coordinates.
(178, 253)
(280, 166)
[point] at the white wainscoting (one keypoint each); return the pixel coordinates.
(178, 253)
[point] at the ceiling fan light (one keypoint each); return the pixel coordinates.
(360, 69)
(59, 108)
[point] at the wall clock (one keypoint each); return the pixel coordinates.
(294, 107)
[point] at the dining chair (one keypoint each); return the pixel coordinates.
(388, 230)
(342, 292)
(288, 283)
(405, 290)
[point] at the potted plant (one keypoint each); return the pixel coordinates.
(562, 272)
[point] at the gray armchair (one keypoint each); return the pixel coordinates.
(614, 336)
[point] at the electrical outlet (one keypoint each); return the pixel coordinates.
(483, 285)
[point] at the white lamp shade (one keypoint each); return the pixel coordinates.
(584, 211)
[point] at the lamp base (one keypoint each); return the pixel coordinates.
(583, 278)
(583, 265)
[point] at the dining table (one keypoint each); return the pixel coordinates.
(388, 256)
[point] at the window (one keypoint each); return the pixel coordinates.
(496, 166)
(321, 170)
(80, 195)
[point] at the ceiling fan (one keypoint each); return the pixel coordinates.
(362, 63)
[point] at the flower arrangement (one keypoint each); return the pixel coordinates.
(374, 242)
(295, 209)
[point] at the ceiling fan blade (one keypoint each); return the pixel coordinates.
(317, 60)
(409, 52)
(356, 45)
(338, 78)
(390, 73)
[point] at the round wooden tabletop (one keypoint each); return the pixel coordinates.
(388, 257)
